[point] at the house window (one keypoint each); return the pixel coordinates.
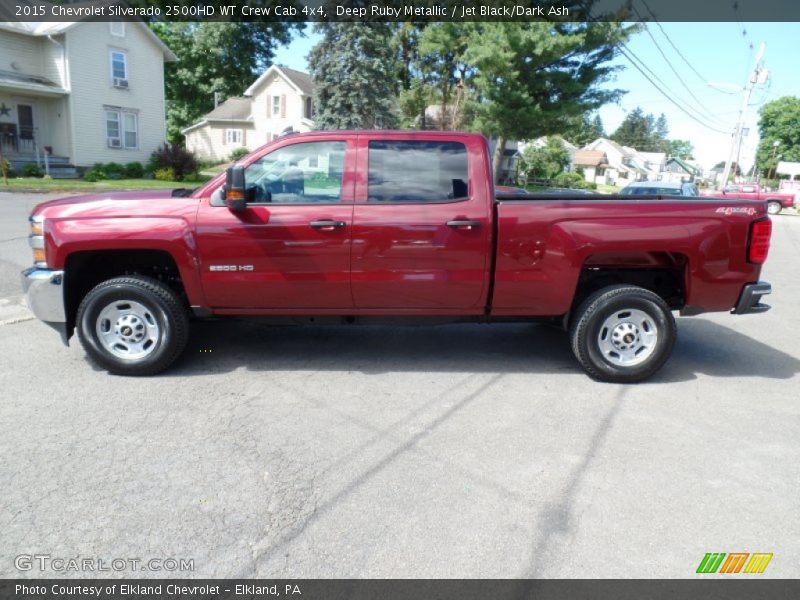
(117, 28)
(276, 105)
(131, 130)
(308, 113)
(122, 129)
(233, 136)
(119, 67)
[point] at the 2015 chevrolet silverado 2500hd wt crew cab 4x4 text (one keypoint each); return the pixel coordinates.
(389, 224)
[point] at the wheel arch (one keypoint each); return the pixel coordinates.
(663, 273)
(85, 269)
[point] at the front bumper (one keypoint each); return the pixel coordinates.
(750, 300)
(44, 291)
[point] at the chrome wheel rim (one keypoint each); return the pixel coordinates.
(128, 329)
(773, 208)
(627, 337)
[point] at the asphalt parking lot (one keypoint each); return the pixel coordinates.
(454, 451)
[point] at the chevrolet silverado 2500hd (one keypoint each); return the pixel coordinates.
(367, 224)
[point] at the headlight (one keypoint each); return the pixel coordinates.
(36, 241)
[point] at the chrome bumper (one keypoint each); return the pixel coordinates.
(44, 292)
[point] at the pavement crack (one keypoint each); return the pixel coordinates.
(17, 320)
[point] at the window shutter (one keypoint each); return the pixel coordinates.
(269, 107)
(283, 106)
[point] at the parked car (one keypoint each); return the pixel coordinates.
(659, 188)
(776, 200)
(509, 190)
(399, 224)
(505, 190)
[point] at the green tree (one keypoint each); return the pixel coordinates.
(443, 68)
(736, 171)
(584, 130)
(635, 130)
(643, 131)
(355, 75)
(682, 149)
(222, 58)
(660, 129)
(544, 161)
(779, 121)
(532, 78)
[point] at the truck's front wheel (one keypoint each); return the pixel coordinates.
(774, 207)
(132, 325)
(623, 334)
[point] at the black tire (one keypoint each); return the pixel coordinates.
(162, 319)
(774, 207)
(637, 315)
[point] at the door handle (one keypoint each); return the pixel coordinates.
(326, 224)
(463, 224)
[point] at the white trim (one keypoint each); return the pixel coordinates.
(273, 69)
(193, 127)
(124, 54)
(244, 122)
(37, 29)
(37, 89)
(117, 28)
(237, 133)
(119, 141)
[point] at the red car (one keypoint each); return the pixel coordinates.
(384, 224)
(776, 201)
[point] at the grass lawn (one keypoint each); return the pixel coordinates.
(32, 184)
(608, 189)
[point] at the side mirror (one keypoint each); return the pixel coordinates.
(235, 193)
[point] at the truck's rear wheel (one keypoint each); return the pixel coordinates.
(623, 334)
(132, 325)
(774, 207)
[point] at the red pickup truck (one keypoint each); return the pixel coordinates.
(375, 224)
(776, 201)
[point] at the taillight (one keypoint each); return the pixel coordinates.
(760, 232)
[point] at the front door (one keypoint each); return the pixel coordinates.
(289, 250)
(26, 126)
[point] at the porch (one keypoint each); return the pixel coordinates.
(34, 124)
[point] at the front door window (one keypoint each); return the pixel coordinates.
(300, 173)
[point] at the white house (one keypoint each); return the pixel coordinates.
(620, 165)
(84, 92)
(280, 99)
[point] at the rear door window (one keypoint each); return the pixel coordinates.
(417, 172)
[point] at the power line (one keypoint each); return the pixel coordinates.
(708, 113)
(632, 58)
(671, 43)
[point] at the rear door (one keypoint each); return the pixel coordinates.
(422, 224)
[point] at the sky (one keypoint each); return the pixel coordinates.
(723, 56)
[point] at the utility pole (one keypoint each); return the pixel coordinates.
(736, 142)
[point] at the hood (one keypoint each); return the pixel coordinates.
(116, 204)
